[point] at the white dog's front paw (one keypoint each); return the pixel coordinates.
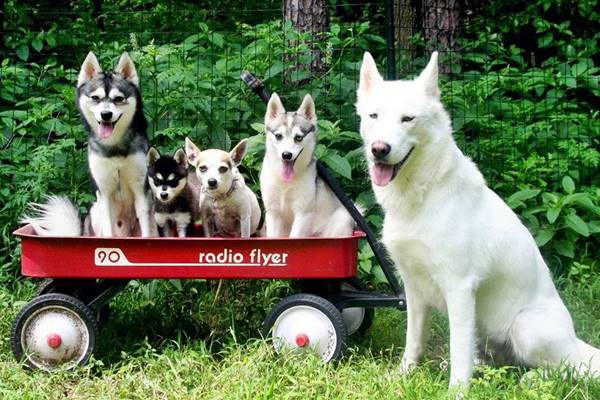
(407, 365)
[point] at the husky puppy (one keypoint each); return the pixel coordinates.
(176, 193)
(457, 245)
(297, 202)
(228, 207)
(110, 105)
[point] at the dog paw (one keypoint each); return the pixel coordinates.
(407, 365)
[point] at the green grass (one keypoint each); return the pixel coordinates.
(145, 352)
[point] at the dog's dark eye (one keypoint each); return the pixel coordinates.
(156, 182)
(278, 136)
(119, 99)
(96, 98)
(407, 118)
(374, 115)
(298, 138)
(223, 169)
(202, 168)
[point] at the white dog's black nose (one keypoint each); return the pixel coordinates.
(286, 155)
(380, 149)
(164, 196)
(106, 115)
(212, 183)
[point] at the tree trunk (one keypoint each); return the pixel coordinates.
(310, 16)
(441, 21)
(406, 23)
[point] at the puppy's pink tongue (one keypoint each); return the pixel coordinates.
(287, 171)
(105, 130)
(382, 174)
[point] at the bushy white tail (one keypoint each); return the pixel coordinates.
(56, 217)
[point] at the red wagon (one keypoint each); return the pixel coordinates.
(58, 328)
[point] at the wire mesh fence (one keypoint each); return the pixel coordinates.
(516, 110)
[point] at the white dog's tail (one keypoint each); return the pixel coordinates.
(589, 358)
(56, 217)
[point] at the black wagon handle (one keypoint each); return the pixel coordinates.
(258, 87)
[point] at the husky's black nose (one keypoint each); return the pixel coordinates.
(380, 149)
(286, 155)
(164, 196)
(106, 115)
(212, 183)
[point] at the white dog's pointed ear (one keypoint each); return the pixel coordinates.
(239, 151)
(152, 156)
(429, 77)
(369, 75)
(274, 108)
(180, 157)
(126, 69)
(307, 108)
(89, 69)
(192, 152)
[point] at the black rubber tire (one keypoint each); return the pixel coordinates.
(50, 285)
(319, 303)
(369, 315)
(53, 299)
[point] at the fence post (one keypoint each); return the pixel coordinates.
(389, 40)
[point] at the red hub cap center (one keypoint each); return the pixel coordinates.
(54, 340)
(302, 340)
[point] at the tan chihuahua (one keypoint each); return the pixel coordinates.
(227, 206)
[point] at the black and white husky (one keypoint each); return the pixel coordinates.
(176, 193)
(110, 105)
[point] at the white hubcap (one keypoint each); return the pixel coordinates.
(305, 326)
(54, 336)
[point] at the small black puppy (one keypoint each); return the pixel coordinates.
(176, 193)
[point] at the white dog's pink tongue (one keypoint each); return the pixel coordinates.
(106, 129)
(382, 174)
(287, 171)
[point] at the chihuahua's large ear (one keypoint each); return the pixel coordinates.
(152, 156)
(126, 69)
(429, 77)
(192, 152)
(369, 75)
(89, 69)
(307, 108)
(239, 151)
(274, 108)
(180, 157)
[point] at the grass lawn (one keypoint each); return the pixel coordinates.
(141, 356)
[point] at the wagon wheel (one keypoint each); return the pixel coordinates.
(307, 321)
(54, 331)
(358, 320)
(76, 289)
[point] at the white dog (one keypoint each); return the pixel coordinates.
(297, 201)
(228, 207)
(457, 245)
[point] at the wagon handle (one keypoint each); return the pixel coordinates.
(387, 267)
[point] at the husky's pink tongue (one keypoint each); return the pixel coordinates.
(382, 174)
(106, 129)
(287, 171)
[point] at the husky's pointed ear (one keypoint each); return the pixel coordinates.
(180, 157)
(307, 108)
(274, 108)
(239, 151)
(152, 156)
(429, 77)
(369, 75)
(89, 69)
(126, 69)
(192, 152)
